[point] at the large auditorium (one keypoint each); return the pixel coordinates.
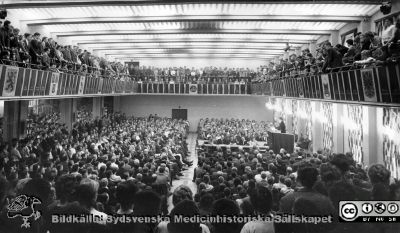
(167, 116)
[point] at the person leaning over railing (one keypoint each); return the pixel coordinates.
(333, 58)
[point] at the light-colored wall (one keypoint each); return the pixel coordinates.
(242, 107)
(347, 28)
(322, 39)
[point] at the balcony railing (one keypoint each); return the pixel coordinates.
(19, 82)
(378, 84)
(369, 83)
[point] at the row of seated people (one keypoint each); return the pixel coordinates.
(365, 49)
(35, 51)
(113, 154)
(252, 183)
(80, 179)
(233, 131)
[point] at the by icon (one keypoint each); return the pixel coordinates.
(367, 208)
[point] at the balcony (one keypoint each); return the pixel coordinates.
(376, 85)
(370, 84)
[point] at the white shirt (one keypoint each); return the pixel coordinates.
(163, 228)
(102, 216)
(387, 33)
(258, 227)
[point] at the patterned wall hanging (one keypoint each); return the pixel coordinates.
(355, 130)
(308, 110)
(295, 106)
(391, 140)
(327, 125)
(279, 109)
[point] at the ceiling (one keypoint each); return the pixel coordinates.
(225, 29)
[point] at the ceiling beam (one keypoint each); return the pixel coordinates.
(195, 47)
(191, 54)
(186, 57)
(10, 4)
(216, 41)
(195, 18)
(191, 31)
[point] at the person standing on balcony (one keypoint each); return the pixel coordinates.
(35, 49)
(388, 31)
(333, 58)
(5, 33)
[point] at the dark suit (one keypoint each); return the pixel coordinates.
(35, 49)
(5, 37)
(282, 127)
(333, 59)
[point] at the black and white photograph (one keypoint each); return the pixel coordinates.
(225, 116)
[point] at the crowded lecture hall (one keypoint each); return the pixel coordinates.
(151, 116)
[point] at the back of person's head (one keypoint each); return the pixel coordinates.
(185, 208)
(3, 189)
(181, 193)
(271, 180)
(263, 175)
(86, 192)
(227, 207)
(125, 193)
(14, 142)
(307, 176)
(65, 187)
(341, 191)
(377, 173)
(342, 162)
(394, 191)
(261, 199)
(306, 207)
(288, 182)
(206, 201)
(380, 191)
(227, 192)
(7, 23)
(329, 174)
(146, 203)
(40, 189)
(350, 41)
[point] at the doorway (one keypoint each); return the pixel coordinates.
(179, 114)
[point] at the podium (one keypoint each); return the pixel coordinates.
(276, 141)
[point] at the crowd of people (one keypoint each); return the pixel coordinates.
(94, 168)
(195, 75)
(118, 166)
(249, 182)
(365, 49)
(233, 131)
(39, 52)
(35, 51)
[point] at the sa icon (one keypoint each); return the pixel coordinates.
(349, 211)
(392, 208)
(367, 208)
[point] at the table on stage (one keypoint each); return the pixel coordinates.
(275, 142)
(261, 146)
